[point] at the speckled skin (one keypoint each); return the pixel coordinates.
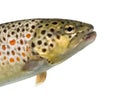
(25, 41)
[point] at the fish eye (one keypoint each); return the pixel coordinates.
(69, 29)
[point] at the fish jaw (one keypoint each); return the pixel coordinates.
(86, 39)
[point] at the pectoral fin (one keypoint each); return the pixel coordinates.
(40, 78)
(37, 64)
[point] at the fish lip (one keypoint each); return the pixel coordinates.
(90, 35)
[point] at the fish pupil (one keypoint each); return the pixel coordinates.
(70, 29)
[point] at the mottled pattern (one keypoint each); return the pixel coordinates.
(24, 44)
(14, 38)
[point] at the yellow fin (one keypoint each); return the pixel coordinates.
(40, 78)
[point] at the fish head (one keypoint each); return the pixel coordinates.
(59, 39)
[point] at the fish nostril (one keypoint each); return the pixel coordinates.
(91, 26)
(81, 25)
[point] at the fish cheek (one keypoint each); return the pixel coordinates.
(52, 53)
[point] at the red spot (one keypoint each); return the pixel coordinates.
(0, 53)
(3, 47)
(23, 54)
(13, 53)
(28, 35)
(12, 42)
(12, 60)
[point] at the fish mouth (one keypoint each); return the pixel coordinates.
(90, 36)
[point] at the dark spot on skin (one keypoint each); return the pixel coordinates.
(18, 29)
(44, 50)
(3, 26)
(54, 23)
(8, 27)
(35, 34)
(33, 27)
(33, 20)
(13, 25)
(13, 53)
(49, 35)
(43, 32)
(19, 48)
(8, 35)
(27, 25)
(32, 45)
(21, 42)
(62, 22)
(46, 24)
(31, 31)
(52, 30)
(41, 21)
(69, 36)
(24, 60)
(4, 38)
(48, 61)
(3, 63)
(61, 27)
(19, 23)
(8, 53)
(23, 30)
(58, 37)
(45, 43)
(16, 36)
(39, 42)
(76, 35)
(80, 22)
(13, 33)
(40, 26)
(51, 45)
(4, 30)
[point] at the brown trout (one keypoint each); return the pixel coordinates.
(32, 46)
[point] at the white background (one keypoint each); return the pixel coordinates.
(95, 71)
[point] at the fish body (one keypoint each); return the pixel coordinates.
(32, 46)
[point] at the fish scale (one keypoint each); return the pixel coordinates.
(32, 46)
